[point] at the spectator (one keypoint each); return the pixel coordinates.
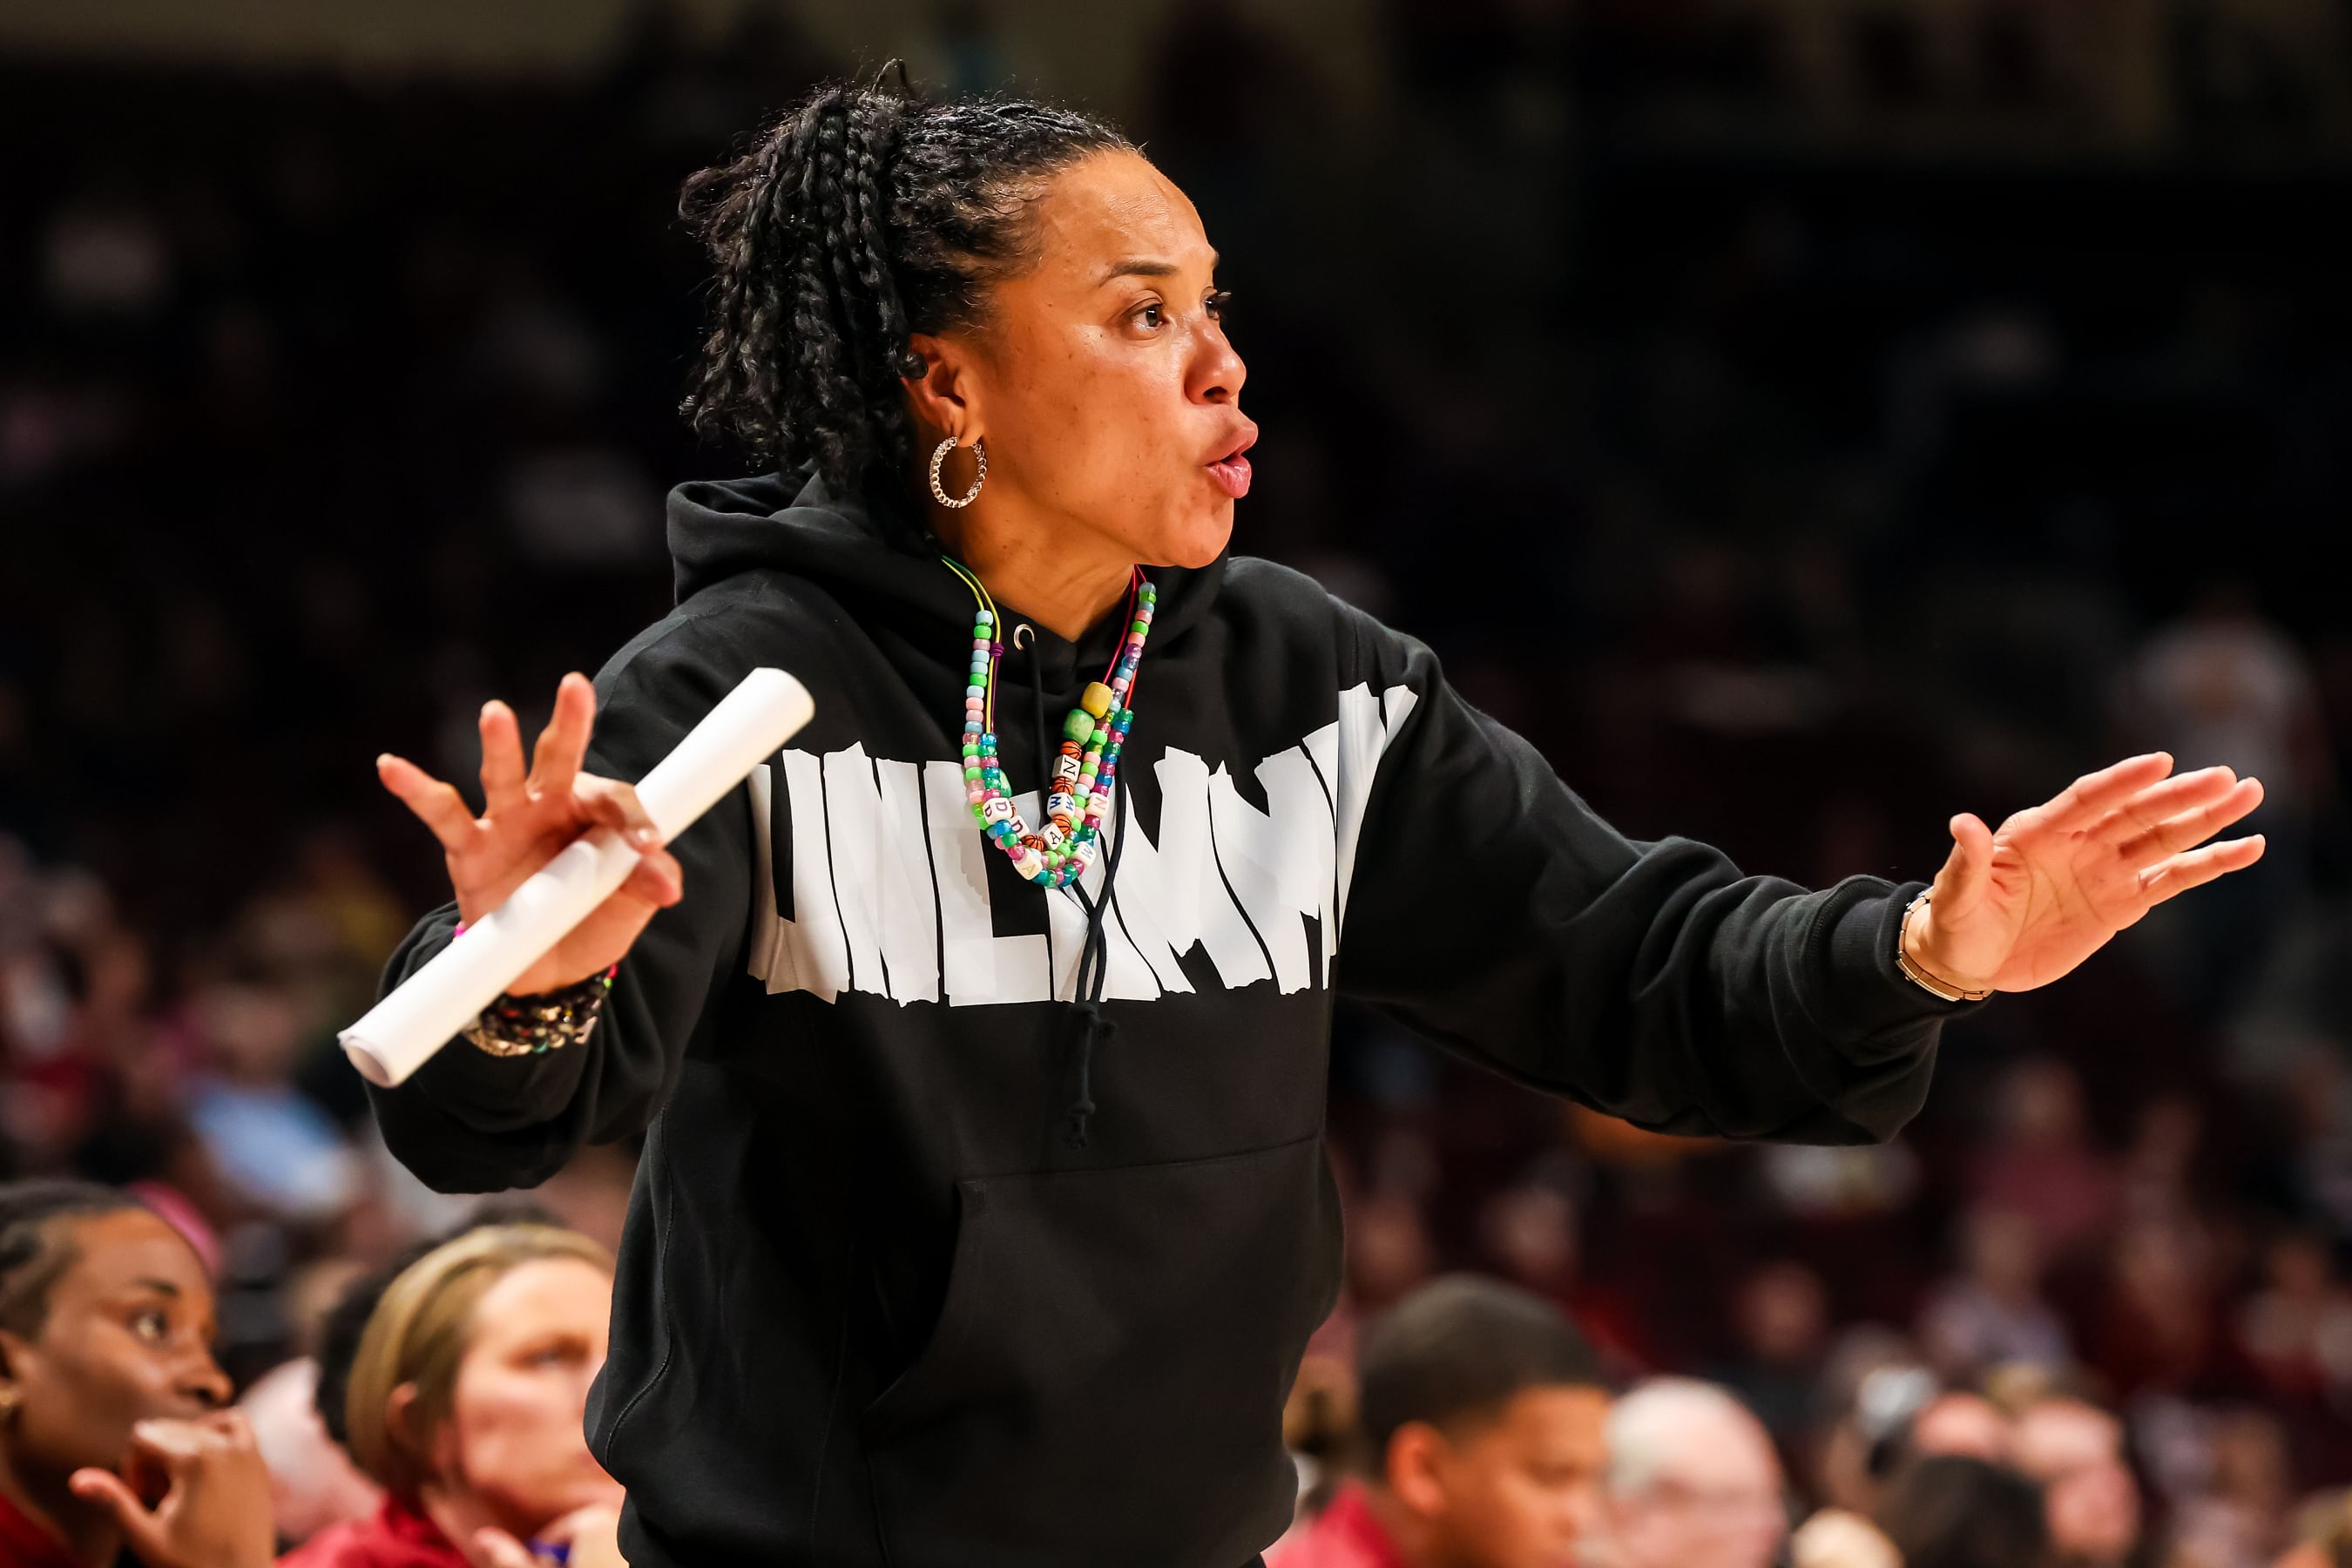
(1994, 1311)
(1836, 1539)
(466, 1403)
(109, 1395)
(2042, 1164)
(1963, 1425)
(1692, 1479)
(1781, 1316)
(2075, 1450)
(1947, 1511)
(1482, 1423)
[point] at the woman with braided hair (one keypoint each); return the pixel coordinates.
(116, 1443)
(980, 1041)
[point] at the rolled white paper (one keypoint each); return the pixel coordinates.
(400, 1032)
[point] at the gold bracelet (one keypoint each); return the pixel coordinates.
(1943, 990)
(533, 1026)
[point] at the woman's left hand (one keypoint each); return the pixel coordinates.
(2019, 907)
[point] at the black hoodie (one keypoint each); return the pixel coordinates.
(935, 1261)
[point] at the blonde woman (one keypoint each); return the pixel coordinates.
(466, 1404)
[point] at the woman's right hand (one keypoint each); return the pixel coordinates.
(588, 1537)
(529, 817)
(211, 1490)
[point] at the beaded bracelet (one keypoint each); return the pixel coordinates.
(533, 1026)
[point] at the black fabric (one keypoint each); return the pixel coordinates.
(874, 1305)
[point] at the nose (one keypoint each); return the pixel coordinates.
(202, 1380)
(1217, 371)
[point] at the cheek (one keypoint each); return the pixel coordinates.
(80, 1409)
(511, 1427)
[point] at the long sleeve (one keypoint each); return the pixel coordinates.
(469, 1122)
(1494, 911)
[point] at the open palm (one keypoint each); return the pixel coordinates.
(2020, 906)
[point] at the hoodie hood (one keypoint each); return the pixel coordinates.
(797, 523)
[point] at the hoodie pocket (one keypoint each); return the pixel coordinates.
(1105, 1380)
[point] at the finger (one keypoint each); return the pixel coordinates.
(609, 803)
(657, 879)
(501, 759)
(1961, 881)
(497, 1549)
(104, 1489)
(2093, 795)
(2159, 802)
(2199, 867)
(178, 1445)
(563, 744)
(436, 805)
(230, 1423)
(2191, 828)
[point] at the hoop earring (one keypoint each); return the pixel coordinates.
(940, 454)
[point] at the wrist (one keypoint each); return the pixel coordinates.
(1915, 955)
(534, 1024)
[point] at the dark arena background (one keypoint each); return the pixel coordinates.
(1804, 419)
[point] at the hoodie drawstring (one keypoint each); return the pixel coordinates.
(1094, 952)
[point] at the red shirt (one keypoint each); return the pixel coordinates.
(23, 1544)
(1345, 1535)
(395, 1538)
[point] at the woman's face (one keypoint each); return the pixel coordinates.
(1102, 380)
(127, 1336)
(515, 1434)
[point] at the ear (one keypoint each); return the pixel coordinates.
(12, 1350)
(945, 398)
(400, 1415)
(1416, 1468)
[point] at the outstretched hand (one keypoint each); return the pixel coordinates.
(2020, 906)
(528, 818)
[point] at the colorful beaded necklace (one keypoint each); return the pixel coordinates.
(1059, 852)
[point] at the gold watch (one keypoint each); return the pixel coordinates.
(1942, 990)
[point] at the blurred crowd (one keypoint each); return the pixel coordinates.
(1804, 422)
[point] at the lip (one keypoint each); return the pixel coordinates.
(1232, 470)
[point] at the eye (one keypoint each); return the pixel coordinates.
(1217, 303)
(152, 1325)
(1152, 315)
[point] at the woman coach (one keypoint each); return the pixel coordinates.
(981, 1040)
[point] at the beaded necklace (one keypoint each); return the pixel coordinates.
(1059, 852)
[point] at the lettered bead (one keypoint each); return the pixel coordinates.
(996, 809)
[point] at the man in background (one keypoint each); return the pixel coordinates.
(1692, 1479)
(1482, 1415)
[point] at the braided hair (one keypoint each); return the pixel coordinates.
(33, 1255)
(864, 215)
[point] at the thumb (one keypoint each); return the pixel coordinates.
(111, 1492)
(1962, 883)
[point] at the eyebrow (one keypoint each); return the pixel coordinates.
(161, 1287)
(1147, 267)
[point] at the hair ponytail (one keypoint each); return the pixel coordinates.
(862, 217)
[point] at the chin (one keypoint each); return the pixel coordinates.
(1197, 541)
